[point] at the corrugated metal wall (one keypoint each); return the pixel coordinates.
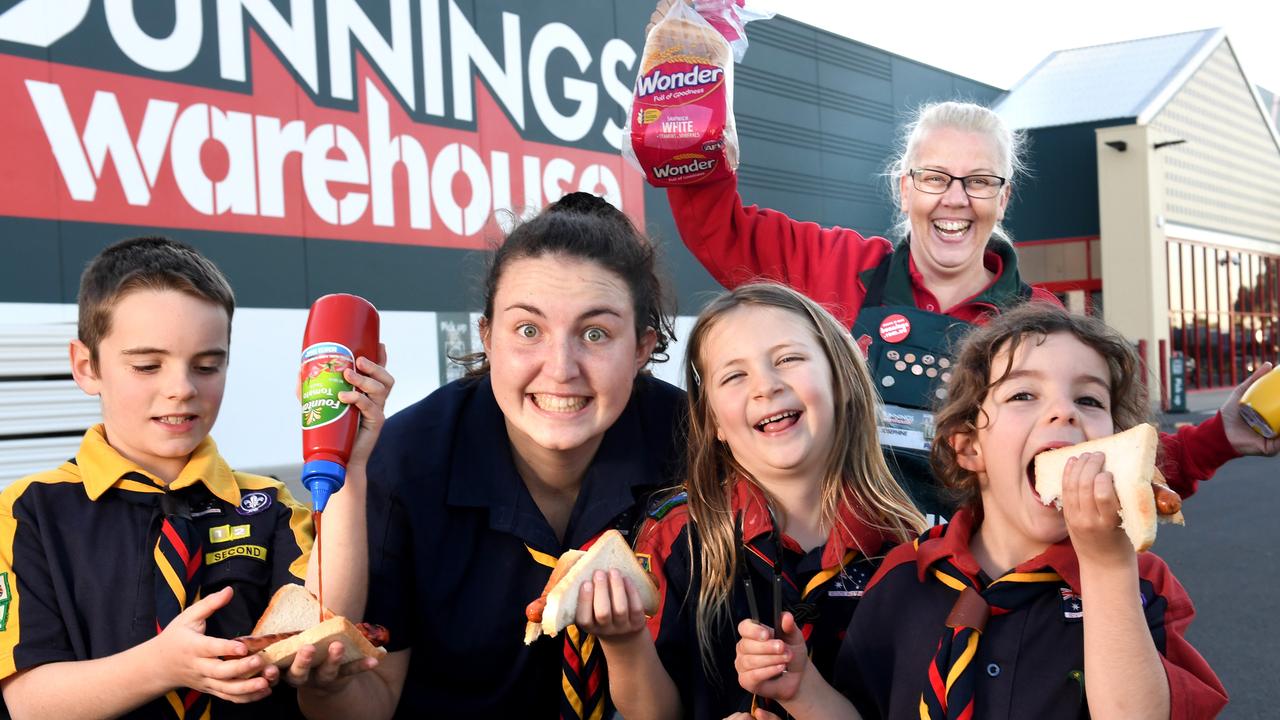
(1226, 176)
(42, 412)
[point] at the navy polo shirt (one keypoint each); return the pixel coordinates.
(450, 528)
(77, 567)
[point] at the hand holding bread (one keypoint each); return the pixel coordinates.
(610, 606)
(558, 607)
(659, 12)
(1126, 463)
(681, 126)
(294, 620)
(183, 656)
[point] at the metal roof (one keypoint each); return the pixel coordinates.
(1123, 80)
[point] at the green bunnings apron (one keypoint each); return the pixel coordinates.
(908, 353)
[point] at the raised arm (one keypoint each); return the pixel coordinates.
(1124, 676)
(346, 554)
(347, 692)
(1195, 452)
(737, 244)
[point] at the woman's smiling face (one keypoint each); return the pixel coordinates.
(949, 232)
(562, 350)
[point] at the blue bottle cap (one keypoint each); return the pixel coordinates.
(322, 478)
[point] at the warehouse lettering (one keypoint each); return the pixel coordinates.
(274, 159)
(444, 73)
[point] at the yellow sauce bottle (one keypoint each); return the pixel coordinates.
(1260, 406)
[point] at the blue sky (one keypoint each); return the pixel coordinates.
(999, 41)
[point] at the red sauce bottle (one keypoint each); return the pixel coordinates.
(340, 329)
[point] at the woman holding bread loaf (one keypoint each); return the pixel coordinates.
(554, 438)
(906, 302)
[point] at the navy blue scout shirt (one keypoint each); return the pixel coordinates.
(77, 567)
(449, 521)
(1029, 662)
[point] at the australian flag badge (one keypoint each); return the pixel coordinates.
(1072, 606)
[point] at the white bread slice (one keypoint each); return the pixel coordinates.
(1131, 460)
(685, 40)
(292, 609)
(355, 646)
(533, 630)
(609, 551)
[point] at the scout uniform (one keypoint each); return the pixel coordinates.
(876, 290)
(820, 587)
(458, 548)
(77, 566)
(1029, 661)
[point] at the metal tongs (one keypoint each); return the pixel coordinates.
(744, 570)
(776, 536)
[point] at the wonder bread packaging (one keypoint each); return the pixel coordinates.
(681, 122)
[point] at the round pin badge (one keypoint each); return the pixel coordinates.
(253, 503)
(895, 328)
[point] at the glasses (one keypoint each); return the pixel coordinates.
(936, 182)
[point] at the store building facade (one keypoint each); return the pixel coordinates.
(316, 146)
(1152, 198)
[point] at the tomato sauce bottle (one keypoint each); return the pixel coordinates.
(340, 328)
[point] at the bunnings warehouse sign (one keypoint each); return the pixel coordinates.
(398, 121)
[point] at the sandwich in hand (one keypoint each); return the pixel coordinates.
(556, 608)
(1131, 460)
(293, 619)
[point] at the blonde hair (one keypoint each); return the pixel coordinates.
(974, 375)
(855, 475)
(965, 117)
